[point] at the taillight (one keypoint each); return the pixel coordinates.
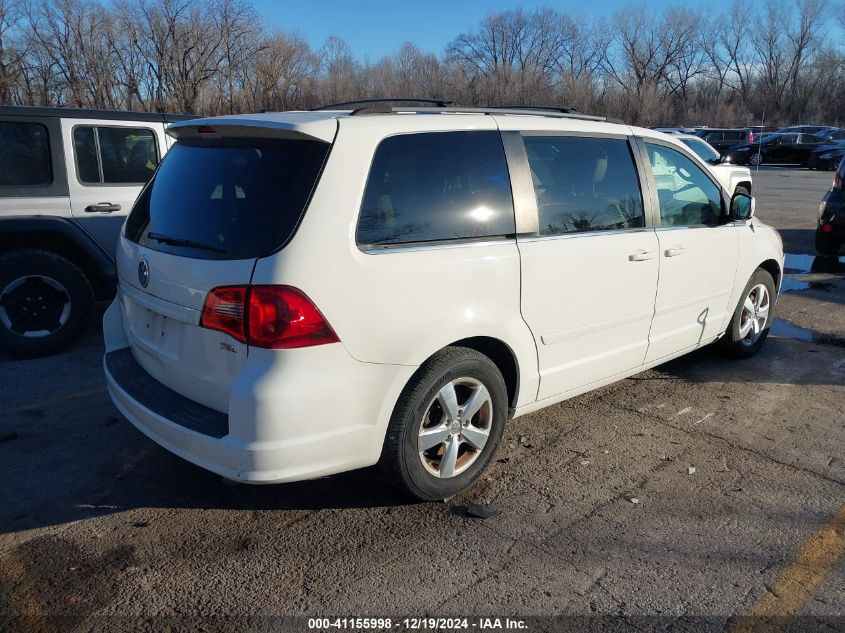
(751, 137)
(224, 310)
(274, 317)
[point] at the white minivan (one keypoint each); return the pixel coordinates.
(305, 293)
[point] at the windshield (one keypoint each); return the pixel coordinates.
(703, 150)
(226, 199)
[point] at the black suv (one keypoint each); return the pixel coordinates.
(68, 177)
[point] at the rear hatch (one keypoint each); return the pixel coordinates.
(226, 194)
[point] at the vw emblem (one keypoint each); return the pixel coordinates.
(144, 272)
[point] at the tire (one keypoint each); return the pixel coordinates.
(29, 276)
(827, 245)
(737, 344)
(419, 408)
(755, 159)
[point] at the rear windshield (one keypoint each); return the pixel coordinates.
(227, 199)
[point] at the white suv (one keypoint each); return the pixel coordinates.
(305, 293)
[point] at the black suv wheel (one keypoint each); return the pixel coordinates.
(46, 303)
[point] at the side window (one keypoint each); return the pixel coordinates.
(114, 155)
(686, 194)
(437, 186)
(584, 184)
(24, 155)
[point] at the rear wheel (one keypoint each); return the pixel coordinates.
(46, 303)
(752, 318)
(446, 425)
(826, 244)
(756, 159)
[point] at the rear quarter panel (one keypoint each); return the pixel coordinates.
(400, 306)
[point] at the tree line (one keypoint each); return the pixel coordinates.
(770, 61)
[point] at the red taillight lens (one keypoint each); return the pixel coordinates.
(827, 228)
(224, 311)
(751, 137)
(275, 317)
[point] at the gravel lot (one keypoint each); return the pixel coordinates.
(737, 467)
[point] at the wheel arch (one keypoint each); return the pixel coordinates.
(62, 237)
(773, 268)
(502, 356)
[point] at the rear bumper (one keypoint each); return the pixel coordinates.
(293, 414)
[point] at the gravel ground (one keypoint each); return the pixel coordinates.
(736, 468)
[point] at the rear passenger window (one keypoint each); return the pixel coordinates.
(437, 186)
(24, 155)
(584, 184)
(114, 155)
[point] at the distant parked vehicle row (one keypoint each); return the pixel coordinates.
(790, 148)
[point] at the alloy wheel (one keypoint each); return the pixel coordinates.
(755, 314)
(455, 427)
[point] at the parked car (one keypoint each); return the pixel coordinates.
(308, 293)
(804, 129)
(780, 148)
(725, 139)
(827, 156)
(833, 134)
(68, 178)
(674, 130)
(830, 232)
(732, 177)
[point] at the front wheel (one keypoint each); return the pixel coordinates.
(756, 159)
(446, 425)
(752, 318)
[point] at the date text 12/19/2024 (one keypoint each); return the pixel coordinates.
(416, 624)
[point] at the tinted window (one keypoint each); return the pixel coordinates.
(702, 150)
(686, 194)
(437, 186)
(114, 155)
(234, 199)
(713, 136)
(24, 155)
(85, 150)
(584, 184)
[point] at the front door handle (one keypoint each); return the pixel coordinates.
(102, 207)
(675, 251)
(641, 256)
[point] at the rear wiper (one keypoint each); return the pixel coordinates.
(180, 241)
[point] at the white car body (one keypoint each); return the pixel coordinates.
(574, 311)
(730, 176)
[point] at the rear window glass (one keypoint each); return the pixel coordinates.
(227, 199)
(437, 186)
(24, 155)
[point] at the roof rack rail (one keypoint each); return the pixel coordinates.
(363, 103)
(538, 107)
(555, 113)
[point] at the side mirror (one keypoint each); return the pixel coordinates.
(742, 206)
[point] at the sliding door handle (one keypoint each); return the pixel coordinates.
(675, 251)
